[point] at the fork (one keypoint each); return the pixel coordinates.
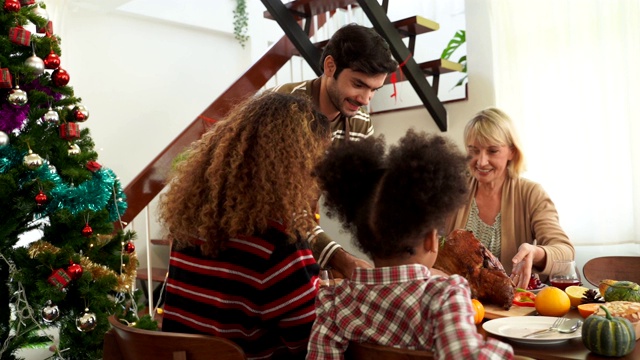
(556, 324)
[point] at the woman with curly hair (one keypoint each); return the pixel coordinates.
(394, 204)
(238, 212)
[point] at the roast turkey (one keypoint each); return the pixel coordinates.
(463, 254)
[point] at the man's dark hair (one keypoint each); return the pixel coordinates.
(359, 48)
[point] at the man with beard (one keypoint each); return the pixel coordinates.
(355, 62)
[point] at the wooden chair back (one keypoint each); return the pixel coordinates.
(127, 343)
(612, 267)
(368, 351)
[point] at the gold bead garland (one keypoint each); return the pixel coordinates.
(125, 279)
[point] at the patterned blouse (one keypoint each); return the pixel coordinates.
(489, 235)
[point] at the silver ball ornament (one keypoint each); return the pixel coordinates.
(86, 321)
(50, 312)
(74, 149)
(4, 139)
(36, 64)
(52, 169)
(51, 116)
(40, 11)
(17, 96)
(32, 160)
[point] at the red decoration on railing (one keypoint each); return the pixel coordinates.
(394, 78)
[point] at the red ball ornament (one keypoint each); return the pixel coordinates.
(41, 198)
(75, 271)
(12, 5)
(87, 231)
(129, 247)
(60, 77)
(51, 61)
(80, 113)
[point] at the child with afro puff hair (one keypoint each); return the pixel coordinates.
(393, 204)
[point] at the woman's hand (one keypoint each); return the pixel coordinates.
(523, 261)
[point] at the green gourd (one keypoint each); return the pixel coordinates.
(607, 335)
(623, 291)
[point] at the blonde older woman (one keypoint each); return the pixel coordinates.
(512, 216)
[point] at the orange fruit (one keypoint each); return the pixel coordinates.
(478, 311)
(552, 301)
(588, 309)
(575, 294)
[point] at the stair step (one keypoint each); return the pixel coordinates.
(440, 66)
(157, 274)
(415, 25)
(307, 8)
(163, 242)
(430, 68)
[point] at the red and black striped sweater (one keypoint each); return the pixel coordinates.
(259, 293)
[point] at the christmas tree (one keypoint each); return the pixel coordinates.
(81, 267)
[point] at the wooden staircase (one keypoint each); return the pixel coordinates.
(148, 184)
(288, 15)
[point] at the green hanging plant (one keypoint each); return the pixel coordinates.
(241, 22)
(458, 39)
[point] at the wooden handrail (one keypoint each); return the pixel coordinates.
(148, 183)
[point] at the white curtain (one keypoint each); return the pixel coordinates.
(567, 71)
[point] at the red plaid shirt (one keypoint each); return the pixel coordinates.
(401, 306)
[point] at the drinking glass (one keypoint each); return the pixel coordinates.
(564, 273)
(325, 279)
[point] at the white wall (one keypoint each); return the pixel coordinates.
(143, 81)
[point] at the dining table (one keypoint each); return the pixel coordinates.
(572, 349)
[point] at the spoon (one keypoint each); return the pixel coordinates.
(570, 326)
(561, 325)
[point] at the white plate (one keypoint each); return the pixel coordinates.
(516, 327)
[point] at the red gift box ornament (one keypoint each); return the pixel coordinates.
(6, 82)
(20, 36)
(59, 279)
(69, 131)
(47, 29)
(93, 166)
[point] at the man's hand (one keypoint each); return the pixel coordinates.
(345, 263)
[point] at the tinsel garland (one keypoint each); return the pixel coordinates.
(102, 191)
(125, 279)
(13, 117)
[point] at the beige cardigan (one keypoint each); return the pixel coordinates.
(527, 213)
